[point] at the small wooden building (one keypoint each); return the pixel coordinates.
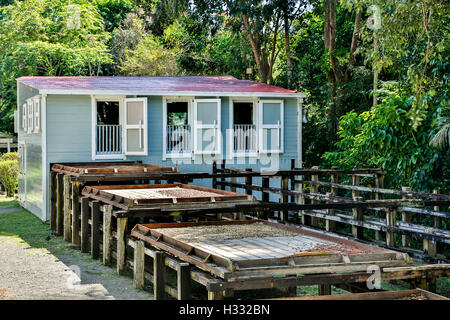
(182, 122)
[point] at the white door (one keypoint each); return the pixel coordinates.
(135, 127)
(207, 134)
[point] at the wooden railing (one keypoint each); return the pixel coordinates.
(109, 139)
(402, 219)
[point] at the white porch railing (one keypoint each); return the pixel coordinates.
(178, 138)
(244, 137)
(109, 139)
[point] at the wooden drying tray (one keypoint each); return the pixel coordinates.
(273, 254)
(175, 196)
(105, 170)
(382, 295)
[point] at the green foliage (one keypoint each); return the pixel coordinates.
(149, 59)
(8, 175)
(9, 156)
(384, 137)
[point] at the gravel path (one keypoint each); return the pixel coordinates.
(28, 273)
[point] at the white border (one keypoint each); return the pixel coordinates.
(263, 126)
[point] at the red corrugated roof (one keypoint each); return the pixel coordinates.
(151, 84)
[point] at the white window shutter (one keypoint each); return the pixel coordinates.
(30, 116)
(24, 116)
(271, 126)
(37, 114)
(136, 127)
(207, 134)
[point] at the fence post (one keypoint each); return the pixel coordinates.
(248, 182)
(214, 171)
(139, 265)
(121, 245)
(390, 222)
(284, 197)
(95, 232)
(159, 276)
(314, 189)
(67, 218)
(76, 186)
(379, 183)
(330, 224)
(430, 246)
(60, 205)
(85, 212)
(107, 235)
(357, 231)
(406, 217)
(183, 281)
(53, 195)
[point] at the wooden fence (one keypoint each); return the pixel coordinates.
(332, 199)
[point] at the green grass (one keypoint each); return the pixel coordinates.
(22, 226)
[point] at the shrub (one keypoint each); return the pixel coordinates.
(9, 156)
(8, 176)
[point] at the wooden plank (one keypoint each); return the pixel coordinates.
(67, 218)
(406, 217)
(216, 295)
(76, 213)
(53, 199)
(390, 221)
(95, 229)
(60, 205)
(183, 281)
(107, 234)
(357, 231)
(324, 289)
(314, 189)
(121, 245)
(284, 197)
(159, 276)
(139, 265)
(85, 213)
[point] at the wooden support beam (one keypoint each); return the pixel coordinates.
(121, 245)
(53, 199)
(139, 265)
(76, 189)
(390, 222)
(324, 289)
(357, 231)
(314, 189)
(67, 218)
(379, 184)
(216, 295)
(248, 182)
(183, 281)
(406, 217)
(284, 197)
(214, 171)
(159, 276)
(330, 225)
(60, 205)
(95, 229)
(85, 213)
(430, 246)
(107, 234)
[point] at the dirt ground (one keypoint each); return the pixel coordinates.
(37, 265)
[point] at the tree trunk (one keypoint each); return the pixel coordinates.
(288, 49)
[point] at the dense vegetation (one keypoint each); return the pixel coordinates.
(376, 72)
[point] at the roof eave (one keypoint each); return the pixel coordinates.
(175, 93)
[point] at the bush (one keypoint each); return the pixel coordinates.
(8, 176)
(9, 156)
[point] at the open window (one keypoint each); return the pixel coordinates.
(271, 118)
(108, 128)
(135, 126)
(177, 128)
(207, 135)
(244, 124)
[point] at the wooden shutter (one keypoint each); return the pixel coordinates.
(135, 127)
